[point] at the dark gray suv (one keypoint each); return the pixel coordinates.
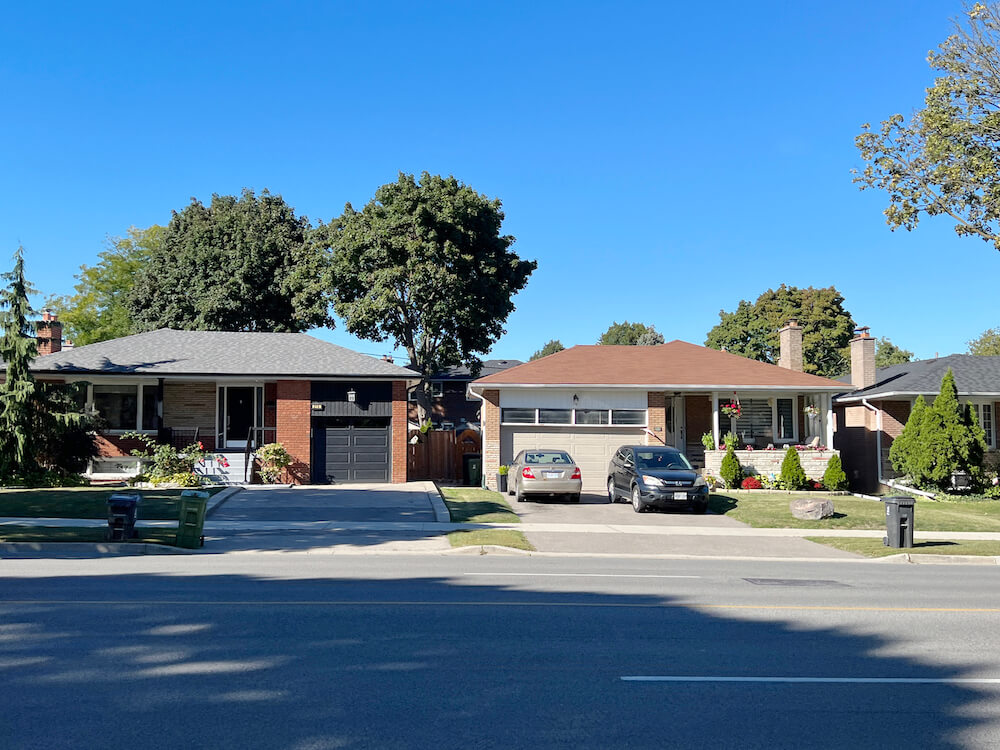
(650, 475)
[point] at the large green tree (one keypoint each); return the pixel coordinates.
(987, 344)
(239, 264)
(553, 346)
(946, 158)
(17, 391)
(97, 310)
(888, 354)
(630, 334)
(751, 330)
(425, 265)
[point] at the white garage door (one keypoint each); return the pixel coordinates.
(592, 449)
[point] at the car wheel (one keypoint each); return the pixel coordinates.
(574, 497)
(637, 504)
(612, 497)
(519, 494)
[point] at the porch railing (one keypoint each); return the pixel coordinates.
(256, 437)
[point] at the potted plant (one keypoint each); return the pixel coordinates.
(708, 441)
(732, 409)
(502, 478)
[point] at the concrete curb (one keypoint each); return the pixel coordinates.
(10, 550)
(441, 514)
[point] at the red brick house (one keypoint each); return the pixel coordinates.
(589, 400)
(340, 414)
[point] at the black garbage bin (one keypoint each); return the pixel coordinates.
(898, 521)
(472, 469)
(123, 509)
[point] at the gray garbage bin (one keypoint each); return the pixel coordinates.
(898, 521)
(123, 510)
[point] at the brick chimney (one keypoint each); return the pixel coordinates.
(790, 346)
(48, 333)
(862, 359)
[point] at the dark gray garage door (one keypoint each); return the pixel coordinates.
(351, 450)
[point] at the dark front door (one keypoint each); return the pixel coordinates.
(350, 449)
(239, 415)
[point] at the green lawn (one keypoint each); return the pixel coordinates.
(88, 502)
(74, 534)
(875, 547)
(766, 510)
(475, 505)
(498, 537)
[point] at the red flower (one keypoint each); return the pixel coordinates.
(201, 446)
(752, 483)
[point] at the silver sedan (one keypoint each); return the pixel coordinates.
(544, 472)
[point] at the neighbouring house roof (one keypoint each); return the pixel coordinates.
(490, 366)
(974, 375)
(675, 365)
(167, 352)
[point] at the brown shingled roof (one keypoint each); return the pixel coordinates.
(675, 364)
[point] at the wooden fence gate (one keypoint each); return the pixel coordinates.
(439, 455)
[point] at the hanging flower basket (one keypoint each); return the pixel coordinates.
(733, 410)
(811, 411)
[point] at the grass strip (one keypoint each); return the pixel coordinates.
(476, 505)
(875, 547)
(89, 502)
(769, 511)
(499, 537)
(80, 534)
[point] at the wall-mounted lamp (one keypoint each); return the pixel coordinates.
(576, 399)
(352, 395)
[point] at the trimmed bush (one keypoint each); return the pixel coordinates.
(731, 471)
(834, 477)
(752, 483)
(793, 477)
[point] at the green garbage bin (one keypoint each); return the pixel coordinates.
(191, 520)
(475, 478)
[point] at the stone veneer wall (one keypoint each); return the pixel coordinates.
(769, 462)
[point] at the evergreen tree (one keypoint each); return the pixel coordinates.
(731, 471)
(905, 453)
(793, 476)
(17, 349)
(834, 477)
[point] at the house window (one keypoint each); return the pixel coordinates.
(437, 390)
(635, 417)
(118, 405)
(555, 416)
(149, 415)
(592, 416)
(785, 409)
(984, 414)
(518, 416)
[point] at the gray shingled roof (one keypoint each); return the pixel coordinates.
(169, 352)
(974, 375)
(490, 366)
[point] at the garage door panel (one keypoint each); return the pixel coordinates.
(350, 453)
(592, 449)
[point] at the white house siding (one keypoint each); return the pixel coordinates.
(551, 398)
(590, 446)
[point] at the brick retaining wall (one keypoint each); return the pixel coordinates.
(769, 462)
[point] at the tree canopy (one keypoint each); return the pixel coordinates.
(424, 264)
(630, 334)
(751, 330)
(238, 264)
(987, 344)
(553, 346)
(887, 353)
(945, 159)
(97, 310)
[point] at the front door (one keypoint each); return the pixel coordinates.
(239, 403)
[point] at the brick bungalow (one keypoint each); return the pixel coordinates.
(340, 414)
(872, 415)
(589, 400)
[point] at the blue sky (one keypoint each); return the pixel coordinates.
(660, 161)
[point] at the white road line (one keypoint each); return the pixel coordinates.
(856, 680)
(575, 575)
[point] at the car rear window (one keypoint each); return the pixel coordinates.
(661, 460)
(547, 457)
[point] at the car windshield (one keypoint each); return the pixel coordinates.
(547, 457)
(653, 459)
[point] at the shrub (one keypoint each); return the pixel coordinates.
(502, 469)
(273, 460)
(834, 477)
(732, 439)
(752, 483)
(793, 477)
(181, 479)
(708, 441)
(168, 461)
(731, 471)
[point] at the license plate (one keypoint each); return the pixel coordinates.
(680, 496)
(552, 474)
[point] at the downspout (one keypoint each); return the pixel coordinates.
(482, 433)
(878, 455)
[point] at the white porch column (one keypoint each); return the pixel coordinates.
(828, 414)
(715, 417)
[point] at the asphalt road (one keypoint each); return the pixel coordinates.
(309, 653)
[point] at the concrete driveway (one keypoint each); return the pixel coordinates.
(359, 503)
